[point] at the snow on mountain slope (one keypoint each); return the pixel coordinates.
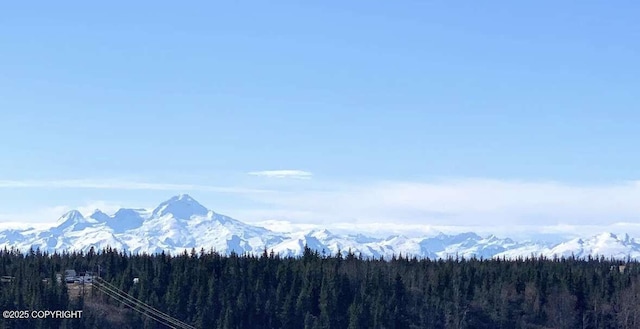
(602, 245)
(441, 246)
(181, 223)
(525, 251)
(474, 245)
(399, 244)
(12, 237)
(605, 244)
(99, 216)
(330, 244)
(180, 206)
(73, 221)
(126, 219)
(71, 238)
(177, 224)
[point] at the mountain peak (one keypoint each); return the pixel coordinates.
(607, 235)
(127, 212)
(125, 219)
(72, 216)
(99, 216)
(75, 220)
(181, 206)
(319, 232)
(181, 198)
(184, 196)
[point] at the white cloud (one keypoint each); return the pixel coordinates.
(122, 185)
(285, 226)
(105, 206)
(46, 217)
(394, 207)
(479, 203)
(547, 233)
(295, 174)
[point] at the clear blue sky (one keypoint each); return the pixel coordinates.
(347, 90)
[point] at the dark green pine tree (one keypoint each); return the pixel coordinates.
(357, 315)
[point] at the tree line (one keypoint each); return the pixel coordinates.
(212, 290)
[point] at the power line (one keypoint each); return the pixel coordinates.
(150, 311)
(143, 305)
(133, 307)
(104, 285)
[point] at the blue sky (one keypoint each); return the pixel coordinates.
(357, 94)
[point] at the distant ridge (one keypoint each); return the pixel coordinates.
(181, 223)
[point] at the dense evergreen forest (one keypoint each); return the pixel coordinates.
(210, 290)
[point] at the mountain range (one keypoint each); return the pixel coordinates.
(181, 223)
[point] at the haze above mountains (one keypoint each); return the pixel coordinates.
(181, 223)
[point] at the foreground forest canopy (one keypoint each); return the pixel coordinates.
(210, 290)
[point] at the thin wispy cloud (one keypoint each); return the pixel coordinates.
(123, 185)
(46, 217)
(294, 174)
(493, 204)
(488, 205)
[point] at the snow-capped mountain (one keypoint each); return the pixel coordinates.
(181, 223)
(602, 245)
(178, 224)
